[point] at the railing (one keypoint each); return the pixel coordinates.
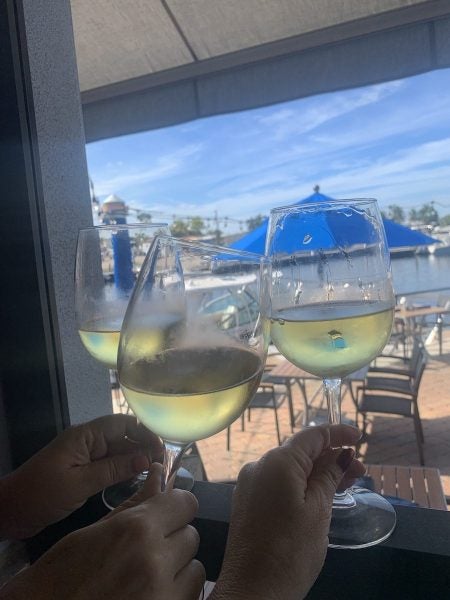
(422, 292)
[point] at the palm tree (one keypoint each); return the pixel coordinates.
(144, 217)
(140, 239)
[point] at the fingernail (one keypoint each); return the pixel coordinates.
(139, 463)
(345, 458)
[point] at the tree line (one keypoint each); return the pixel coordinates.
(196, 226)
(427, 214)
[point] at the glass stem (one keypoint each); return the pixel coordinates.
(332, 389)
(173, 453)
(333, 395)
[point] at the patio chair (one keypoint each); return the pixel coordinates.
(400, 400)
(267, 396)
(398, 379)
(405, 365)
(192, 461)
(399, 336)
(286, 383)
(242, 418)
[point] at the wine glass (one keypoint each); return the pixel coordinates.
(194, 341)
(108, 260)
(332, 312)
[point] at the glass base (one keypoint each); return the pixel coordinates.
(364, 519)
(114, 495)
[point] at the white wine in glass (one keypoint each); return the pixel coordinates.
(108, 260)
(182, 398)
(190, 357)
(332, 313)
(333, 339)
(101, 340)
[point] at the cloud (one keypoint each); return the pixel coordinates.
(289, 122)
(403, 164)
(412, 175)
(398, 121)
(418, 171)
(369, 147)
(166, 165)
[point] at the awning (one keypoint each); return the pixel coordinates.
(144, 65)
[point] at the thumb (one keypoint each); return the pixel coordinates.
(151, 487)
(100, 474)
(328, 472)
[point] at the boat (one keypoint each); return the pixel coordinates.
(402, 252)
(442, 248)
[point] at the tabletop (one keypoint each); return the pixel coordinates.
(419, 484)
(286, 369)
(421, 312)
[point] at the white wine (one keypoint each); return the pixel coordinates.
(332, 339)
(190, 393)
(101, 340)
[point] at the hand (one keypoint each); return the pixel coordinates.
(143, 552)
(281, 514)
(74, 466)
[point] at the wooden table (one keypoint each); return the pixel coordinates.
(419, 484)
(285, 373)
(437, 311)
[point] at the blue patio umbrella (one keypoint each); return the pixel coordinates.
(327, 233)
(399, 236)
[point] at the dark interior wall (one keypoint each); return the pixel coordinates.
(48, 380)
(5, 457)
(31, 411)
(62, 196)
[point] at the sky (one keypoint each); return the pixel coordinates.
(389, 141)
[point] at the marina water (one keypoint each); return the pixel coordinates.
(420, 273)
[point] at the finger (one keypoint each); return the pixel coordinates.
(176, 508)
(100, 474)
(343, 435)
(189, 581)
(103, 473)
(183, 545)
(328, 472)
(312, 441)
(153, 484)
(150, 488)
(355, 470)
(120, 434)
